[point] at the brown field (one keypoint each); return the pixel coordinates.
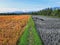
(11, 28)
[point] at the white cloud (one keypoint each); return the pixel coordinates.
(8, 9)
(18, 9)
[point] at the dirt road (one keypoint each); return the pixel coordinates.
(48, 29)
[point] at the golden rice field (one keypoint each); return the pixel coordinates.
(11, 28)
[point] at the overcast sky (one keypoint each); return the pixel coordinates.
(27, 5)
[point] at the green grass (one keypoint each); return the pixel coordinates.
(37, 39)
(24, 38)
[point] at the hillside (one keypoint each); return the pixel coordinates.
(48, 12)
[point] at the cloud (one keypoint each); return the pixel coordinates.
(8, 9)
(18, 9)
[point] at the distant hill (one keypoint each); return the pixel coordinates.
(17, 12)
(12, 13)
(55, 11)
(56, 8)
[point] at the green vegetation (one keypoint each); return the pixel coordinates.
(36, 37)
(24, 40)
(48, 12)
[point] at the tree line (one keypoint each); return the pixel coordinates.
(48, 12)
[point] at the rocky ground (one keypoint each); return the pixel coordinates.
(48, 29)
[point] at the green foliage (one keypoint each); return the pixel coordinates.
(48, 12)
(24, 39)
(37, 39)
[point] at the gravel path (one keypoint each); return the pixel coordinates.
(48, 29)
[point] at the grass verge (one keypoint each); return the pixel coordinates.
(37, 40)
(24, 38)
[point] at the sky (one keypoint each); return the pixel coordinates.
(27, 5)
